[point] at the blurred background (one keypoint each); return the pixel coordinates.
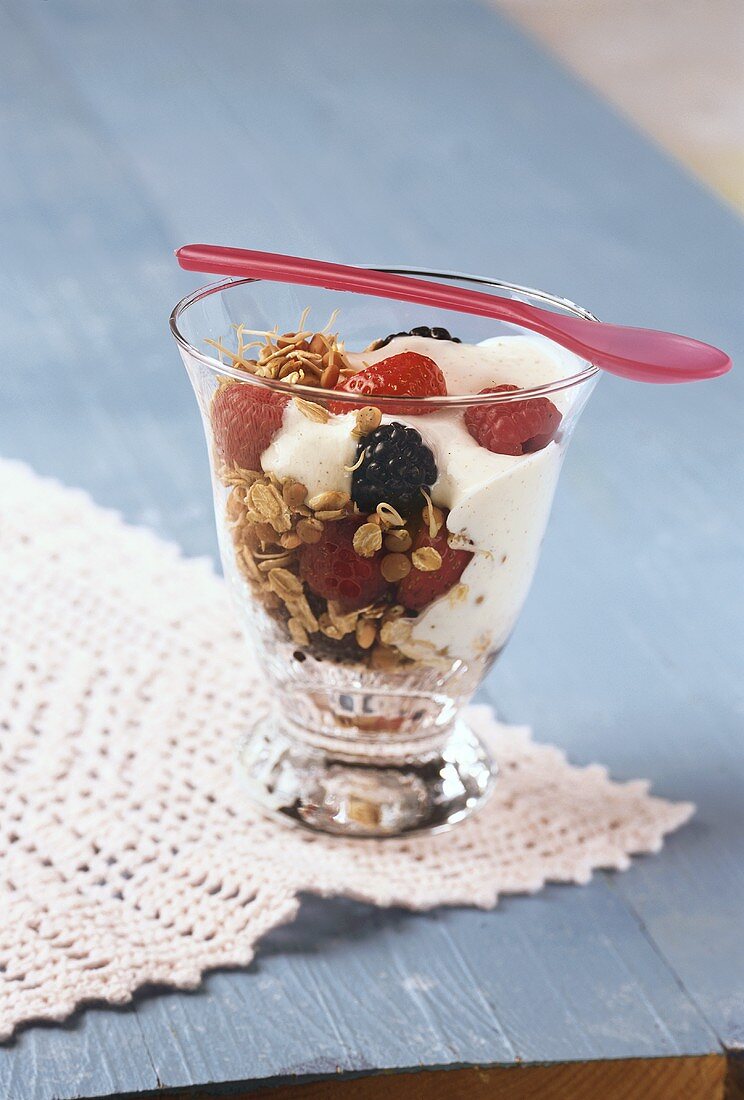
(674, 69)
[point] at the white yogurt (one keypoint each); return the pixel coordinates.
(313, 453)
(499, 503)
(523, 361)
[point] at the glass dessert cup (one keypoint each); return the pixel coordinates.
(374, 607)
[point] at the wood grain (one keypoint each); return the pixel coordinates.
(438, 135)
(652, 1079)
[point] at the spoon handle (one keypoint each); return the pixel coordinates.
(643, 355)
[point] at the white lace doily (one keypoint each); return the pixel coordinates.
(127, 856)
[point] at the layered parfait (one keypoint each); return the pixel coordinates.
(388, 535)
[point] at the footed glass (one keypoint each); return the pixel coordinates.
(377, 571)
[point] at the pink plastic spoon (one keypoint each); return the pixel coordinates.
(641, 354)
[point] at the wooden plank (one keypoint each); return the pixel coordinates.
(601, 987)
(349, 987)
(128, 138)
(699, 1078)
(59, 198)
(96, 1053)
(678, 723)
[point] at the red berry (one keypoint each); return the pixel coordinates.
(516, 427)
(406, 375)
(332, 568)
(244, 421)
(418, 589)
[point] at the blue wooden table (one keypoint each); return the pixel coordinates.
(433, 133)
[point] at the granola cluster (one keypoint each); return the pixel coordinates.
(271, 520)
(304, 357)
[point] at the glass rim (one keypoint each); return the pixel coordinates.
(318, 393)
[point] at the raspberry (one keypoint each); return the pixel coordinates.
(418, 589)
(406, 375)
(516, 427)
(435, 333)
(332, 568)
(396, 465)
(244, 421)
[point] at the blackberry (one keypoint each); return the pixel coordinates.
(396, 465)
(436, 333)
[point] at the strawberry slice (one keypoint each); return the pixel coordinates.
(332, 568)
(406, 375)
(418, 588)
(245, 419)
(516, 427)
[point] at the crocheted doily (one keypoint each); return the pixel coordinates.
(127, 855)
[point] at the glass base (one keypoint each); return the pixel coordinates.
(368, 795)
